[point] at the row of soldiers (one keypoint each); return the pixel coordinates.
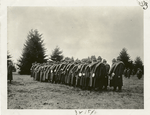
(95, 75)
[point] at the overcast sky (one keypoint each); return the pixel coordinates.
(79, 31)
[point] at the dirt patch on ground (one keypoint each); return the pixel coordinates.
(25, 93)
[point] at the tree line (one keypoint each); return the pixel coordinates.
(35, 52)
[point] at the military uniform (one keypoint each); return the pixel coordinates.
(9, 72)
(139, 73)
(116, 72)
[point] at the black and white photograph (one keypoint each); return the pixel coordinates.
(75, 58)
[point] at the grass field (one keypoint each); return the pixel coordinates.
(25, 93)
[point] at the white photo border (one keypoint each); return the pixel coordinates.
(3, 54)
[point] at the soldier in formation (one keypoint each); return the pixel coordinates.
(139, 73)
(116, 73)
(9, 71)
(91, 76)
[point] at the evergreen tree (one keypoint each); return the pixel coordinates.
(33, 51)
(57, 55)
(124, 57)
